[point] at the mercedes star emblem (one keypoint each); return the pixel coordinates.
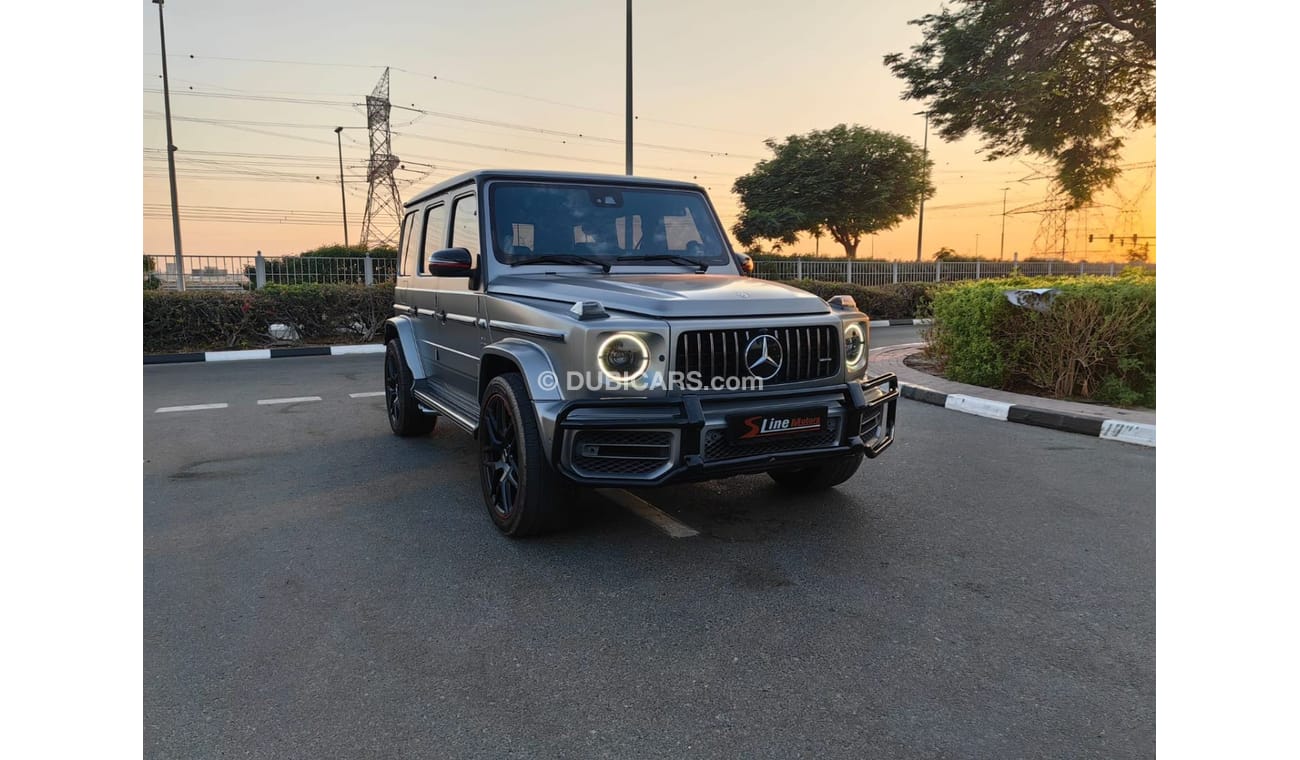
(763, 357)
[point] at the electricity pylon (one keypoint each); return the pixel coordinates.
(383, 220)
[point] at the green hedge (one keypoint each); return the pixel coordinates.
(903, 300)
(210, 321)
(1096, 341)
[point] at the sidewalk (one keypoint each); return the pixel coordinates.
(1112, 423)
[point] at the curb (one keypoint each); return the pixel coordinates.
(900, 322)
(1138, 433)
(264, 353)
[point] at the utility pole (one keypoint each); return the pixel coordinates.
(171, 153)
(338, 131)
(1003, 246)
(977, 245)
(629, 89)
(925, 152)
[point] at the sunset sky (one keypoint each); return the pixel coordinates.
(712, 81)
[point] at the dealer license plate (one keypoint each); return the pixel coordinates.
(752, 428)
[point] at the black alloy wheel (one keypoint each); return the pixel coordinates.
(523, 493)
(404, 415)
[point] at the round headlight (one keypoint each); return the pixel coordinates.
(855, 346)
(623, 357)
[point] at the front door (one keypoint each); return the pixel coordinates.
(460, 315)
(425, 294)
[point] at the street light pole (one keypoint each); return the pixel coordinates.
(338, 131)
(171, 154)
(925, 152)
(1002, 248)
(977, 245)
(629, 88)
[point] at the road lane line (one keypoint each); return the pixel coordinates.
(295, 400)
(648, 512)
(190, 408)
(367, 394)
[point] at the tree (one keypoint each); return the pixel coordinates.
(1054, 78)
(1137, 255)
(944, 254)
(845, 181)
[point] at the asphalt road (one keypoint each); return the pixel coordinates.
(318, 588)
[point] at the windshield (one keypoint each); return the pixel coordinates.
(641, 226)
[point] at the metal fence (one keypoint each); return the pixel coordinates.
(885, 272)
(248, 272)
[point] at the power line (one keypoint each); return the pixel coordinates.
(461, 83)
(251, 126)
(713, 153)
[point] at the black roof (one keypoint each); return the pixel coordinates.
(535, 175)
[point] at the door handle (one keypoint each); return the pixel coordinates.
(442, 316)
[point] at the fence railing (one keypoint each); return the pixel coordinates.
(248, 272)
(885, 272)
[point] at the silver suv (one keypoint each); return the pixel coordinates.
(593, 330)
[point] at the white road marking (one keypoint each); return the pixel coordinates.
(295, 400)
(365, 348)
(982, 407)
(230, 356)
(1129, 432)
(648, 512)
(190, 408)
(896, 345)
(367, 394)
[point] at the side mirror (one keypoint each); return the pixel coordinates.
(451, 262)
(744, 263)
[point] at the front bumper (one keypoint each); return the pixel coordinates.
(683, 439)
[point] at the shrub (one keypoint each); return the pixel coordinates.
(1095, 341)
(151, 281)
(213, 320)
(904, 300)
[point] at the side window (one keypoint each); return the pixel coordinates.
(435, 233)
(409, 265)
(464, 225)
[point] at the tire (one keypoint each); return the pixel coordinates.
(404, 415)
(523, 494)
(818, 477)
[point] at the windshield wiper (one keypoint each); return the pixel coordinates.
(683, 260)
(562, 258)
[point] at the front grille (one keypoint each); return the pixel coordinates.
(807, 353)
(716, 445)
(621, 453)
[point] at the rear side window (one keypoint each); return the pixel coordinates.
(409, 265)
(435, 233)
(464, 224)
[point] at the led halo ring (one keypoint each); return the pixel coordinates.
(615, 376)
(855, 362)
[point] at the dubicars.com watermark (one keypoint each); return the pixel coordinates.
(596, 382)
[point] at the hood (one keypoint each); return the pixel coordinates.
(667, 295)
